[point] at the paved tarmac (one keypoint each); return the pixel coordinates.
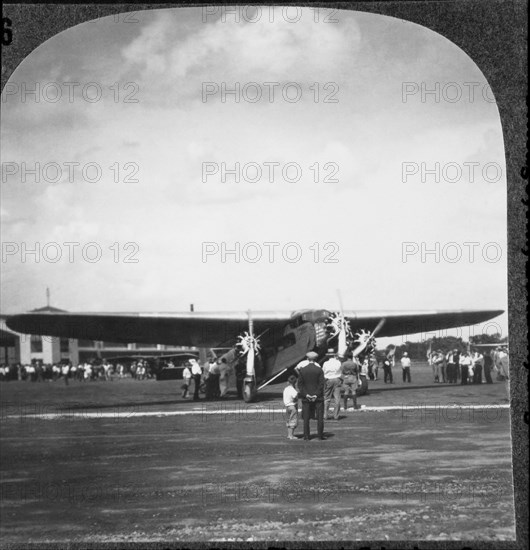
(84, 463)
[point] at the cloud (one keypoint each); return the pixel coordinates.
(230, 52)
(169, 133)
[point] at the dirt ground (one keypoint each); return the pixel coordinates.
(130, 461)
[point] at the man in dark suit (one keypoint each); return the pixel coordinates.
(311, 389)
(488, 365)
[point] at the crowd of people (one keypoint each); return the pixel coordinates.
(67, 372)
(212, 379)
(347, 378)
(469, 367)
(317, 386)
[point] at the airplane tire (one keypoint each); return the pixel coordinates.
(249, 391)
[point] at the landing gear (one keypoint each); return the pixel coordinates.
(249, 389)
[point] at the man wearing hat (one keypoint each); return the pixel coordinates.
(503, 363)
(405, 367)
(350, 372)
(488, 365)
(306, 361)
(196, 373)
(332, 370)
(311, 389)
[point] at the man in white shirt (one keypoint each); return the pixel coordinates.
(363, 375)
(186, 376)
(502, 363)
(106, 371)
(30, 373)
(478, 364)
(212, 383)
(466, 368)
(56, 371)
(290, 400)
(332, 370)
(65, 372)
(196, 373)
(88, 372)
(405, 366)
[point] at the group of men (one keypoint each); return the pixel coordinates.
(212, 378)
(468, 367)
(316, 386)
(48, 372)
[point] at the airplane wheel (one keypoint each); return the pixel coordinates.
(249, 391)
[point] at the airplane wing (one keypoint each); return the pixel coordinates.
(202, 329)
(411, 322)
(186, 329)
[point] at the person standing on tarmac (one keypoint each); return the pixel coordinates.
(350, 372)
(241, 373)
(387, 369)
(311, 387)
(290, 400)
(196, 373)
(332, 370)
(363, 376)
(405, 366)
(186, 376)
(223, 376)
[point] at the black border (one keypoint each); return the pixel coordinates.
(494, 34)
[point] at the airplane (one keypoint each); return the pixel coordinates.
(274, 342)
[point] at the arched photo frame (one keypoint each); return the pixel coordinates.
(492, 35)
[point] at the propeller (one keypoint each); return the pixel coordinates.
(338, 326)
(249, 344)
(365, 338)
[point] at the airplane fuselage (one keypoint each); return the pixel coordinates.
(306, 331)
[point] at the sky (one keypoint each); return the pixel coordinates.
(153, 129)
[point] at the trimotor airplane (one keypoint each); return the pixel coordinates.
(283, 338)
